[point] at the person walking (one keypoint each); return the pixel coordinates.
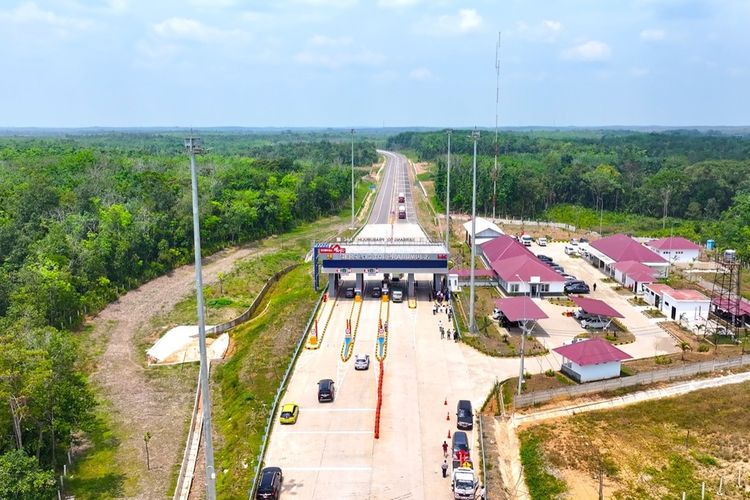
(449, 333)
(445, 468)
(482, 493)
(445, 449)
(442, 334)
(594, 286)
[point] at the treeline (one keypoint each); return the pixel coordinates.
(683, 174)
(81, 223)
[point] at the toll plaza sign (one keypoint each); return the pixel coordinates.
(335, 249)
(387, 256)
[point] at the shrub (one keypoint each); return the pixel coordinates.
(703, 348)
(663, 360)
(541, 483)
(550, 373)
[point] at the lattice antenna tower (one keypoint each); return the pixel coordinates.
(726, 300)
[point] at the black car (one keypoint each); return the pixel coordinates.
(349, 292)
(326, 390)
(506, 323)
(460, 443)
(576, 287)
(376, 292)
(558, 268)
(544, 258)
(270, 484)
(464, 415)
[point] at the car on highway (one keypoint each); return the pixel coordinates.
(401, 197)
(576, 287)
(376, 292)
(460, 443)
(361, 361)
(542, 242)
(326, 390)
(595, 323)
(397, 296)
(270, 484)
(401, 212)
(289, 413)
(349, 292)
(464, 415)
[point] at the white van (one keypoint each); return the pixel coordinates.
(526, 240)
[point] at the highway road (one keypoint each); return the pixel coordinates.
(395, 180)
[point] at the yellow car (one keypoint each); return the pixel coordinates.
(289, 413)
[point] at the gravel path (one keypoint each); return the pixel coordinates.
(141, 402)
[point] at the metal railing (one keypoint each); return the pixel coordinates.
(279, 392)
(665, 375)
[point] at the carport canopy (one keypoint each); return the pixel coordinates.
(520, 309)
(596, 307)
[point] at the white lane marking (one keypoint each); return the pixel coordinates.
(326, 469)
(337, 409)
(327, 432)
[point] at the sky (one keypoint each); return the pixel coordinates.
(357, 63)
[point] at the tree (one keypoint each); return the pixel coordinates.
(22, 478)
(603, 181)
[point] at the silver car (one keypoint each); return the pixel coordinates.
(362, 362)
(596, 323)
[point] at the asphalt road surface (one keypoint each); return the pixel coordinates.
(395, 180)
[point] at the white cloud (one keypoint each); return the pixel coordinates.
(328, 3)
(390, 4)
(328, 41)
(590, 51)
(652, 35)
(339, 60)
(420, 74)
(464, 21)
(29, 13)
(216, 4)
(180, 28)
(547, 30)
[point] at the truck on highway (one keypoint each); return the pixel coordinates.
(464, 484)
(401, 198)
(401, 212)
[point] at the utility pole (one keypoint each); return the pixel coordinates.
(472, 321)
(194, 146)
(524, 322)
(448, 197)
(352, 178)
(497, 107)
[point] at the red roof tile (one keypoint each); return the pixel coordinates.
(591, 352)
(503, 247)
(673, 243)
(520, 308)
(687, 295)
(524, 267)
(636, 271)
(596, 307)
(621, 248)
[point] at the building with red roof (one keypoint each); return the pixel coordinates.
(634, 275)
(591, 359)
(679, 305)
(675, 249)
(606, 252)
(519, 271)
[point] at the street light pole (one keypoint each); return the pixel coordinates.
(352, 178)
(523, 338)
(472, 321)
(448, 197)
(194, 146)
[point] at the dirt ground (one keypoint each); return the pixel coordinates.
(141, 402)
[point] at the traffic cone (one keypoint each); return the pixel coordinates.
(446, 402)
(449, 433)
(448, 416)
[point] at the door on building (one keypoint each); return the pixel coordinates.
(534, 289)
(657, 301)
(674, 312)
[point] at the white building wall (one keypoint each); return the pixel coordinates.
(674, 256)
(590, 373)
(692, 309)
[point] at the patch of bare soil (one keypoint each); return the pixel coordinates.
(142, 400)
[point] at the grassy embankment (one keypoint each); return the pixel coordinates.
(100, 471)
(655, 449)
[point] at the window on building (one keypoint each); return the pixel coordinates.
(514, 288)
(544, 288)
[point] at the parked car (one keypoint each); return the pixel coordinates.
(570, 250)
(569, 278)
(576, 287)
(574, 242)
(544, 258)
(376, 292)
(362, 362)
(289, 413)
(349, 292)
(270, 484)
(581, 314)
(496, 313)
(460, 442)
(464, 415)
(526, 240)
(595, 323)
(542, 242)
(326, 390)
(397, 296)
(557, 267)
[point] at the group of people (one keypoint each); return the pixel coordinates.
(444, 467)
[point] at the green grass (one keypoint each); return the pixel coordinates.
(638, 225)
(246, 384)
(542, 485)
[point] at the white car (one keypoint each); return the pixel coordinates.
(595, 323)
(542, 242)
(362, 362)
(570, 250)
(581, 314)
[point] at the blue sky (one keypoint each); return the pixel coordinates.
(372, 63)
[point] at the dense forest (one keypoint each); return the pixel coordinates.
(683, 174)
(84, 218)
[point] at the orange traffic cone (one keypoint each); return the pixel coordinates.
(446, 402)
(448, 416)
(449, 433)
